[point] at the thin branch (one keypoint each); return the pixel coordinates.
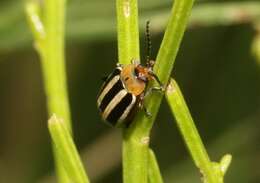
(212, 172)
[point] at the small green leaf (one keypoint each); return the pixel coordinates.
(225, 163)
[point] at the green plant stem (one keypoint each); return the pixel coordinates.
(154, 174)
(49, 41)
(67, 151)
(54, 63)
(190, 133)
(136, 137)
(128, 49)
(53, 67)
(127, 30)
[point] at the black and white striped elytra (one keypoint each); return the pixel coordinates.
(115, 103)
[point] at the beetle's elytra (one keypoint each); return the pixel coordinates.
(123, 92)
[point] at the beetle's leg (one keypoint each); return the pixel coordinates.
(119, 65)
(153, 89)
(104, 78)
(142, 106)
(142, 97)
(156, 79)
(147, 113)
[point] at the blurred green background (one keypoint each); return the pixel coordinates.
(216, 69)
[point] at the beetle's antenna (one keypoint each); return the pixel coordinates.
(148, 41)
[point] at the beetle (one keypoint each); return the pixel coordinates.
(124, 90)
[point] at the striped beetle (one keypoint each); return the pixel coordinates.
(124, 90)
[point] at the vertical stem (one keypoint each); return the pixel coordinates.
(49, 41)
(134, 167)
(127, 30)
(53, 62)
(53, 66)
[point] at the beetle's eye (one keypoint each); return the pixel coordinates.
(136, 72)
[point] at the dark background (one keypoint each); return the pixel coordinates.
(215, 68)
